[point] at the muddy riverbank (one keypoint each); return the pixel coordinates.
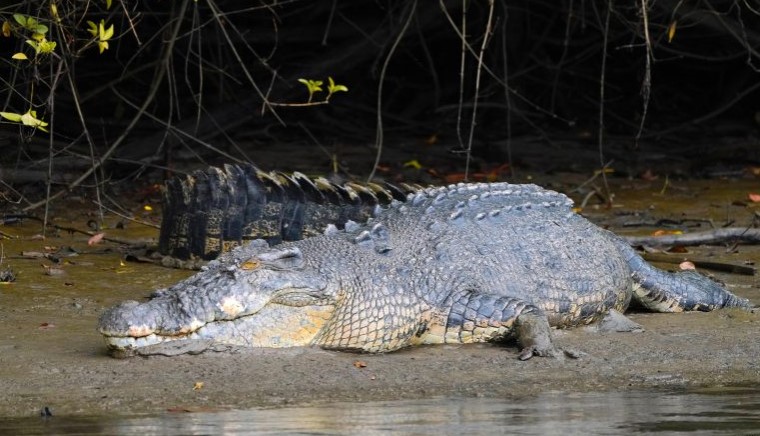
(51, 356)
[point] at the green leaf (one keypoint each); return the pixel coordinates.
(30, 24)
(27, 119)
(105, 34)
(21, 19)
(19, 56)
(333, 88)
(54, 12)
(312, 85)
(93, 28)
(47, 47)
(11, 116)
(30, 119)
(34, 45)
(102, 34)
(108, 4)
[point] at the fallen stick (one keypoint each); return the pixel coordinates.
(708, 264)
(715, 237)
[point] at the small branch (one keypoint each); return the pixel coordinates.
(154, 86)
(128, 218)
(713, 237)
(223, 25)
(602, 79)
(307, 104)
(381, 82)
(476, 96)
(85, 232)
(708, 264)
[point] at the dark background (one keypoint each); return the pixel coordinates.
(204, 70)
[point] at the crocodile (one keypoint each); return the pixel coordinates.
(213, 210)
(458, 264)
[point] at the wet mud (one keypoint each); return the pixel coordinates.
(52, 356)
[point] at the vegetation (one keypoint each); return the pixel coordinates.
(113, 88)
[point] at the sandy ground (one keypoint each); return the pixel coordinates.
(51, 355)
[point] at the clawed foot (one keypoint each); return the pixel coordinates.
(615, 321)
(558, 353)
(534, 334)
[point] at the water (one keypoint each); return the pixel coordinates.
(727, 411)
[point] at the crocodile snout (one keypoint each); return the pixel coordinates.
(129, 318)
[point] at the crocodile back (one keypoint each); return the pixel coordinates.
(515, 240)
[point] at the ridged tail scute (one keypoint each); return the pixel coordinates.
(214, 210)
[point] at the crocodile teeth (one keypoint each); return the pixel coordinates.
(125, 343)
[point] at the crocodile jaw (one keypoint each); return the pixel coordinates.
(274, 326)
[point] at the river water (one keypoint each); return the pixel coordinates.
(729, 411)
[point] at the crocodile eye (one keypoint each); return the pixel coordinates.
(250, 264)
(282, 259)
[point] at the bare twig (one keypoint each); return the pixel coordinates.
(476, 96)
(177, 130)
(646, 84)
(127, 217)
(412, 7)
(700, 263)
(495, 76)
(563, 56)
(155, 84)
(602, 80)
(233, 48)
(715, 237)
(328, 26)
(710, 115)
(507, 99)
(462, 64)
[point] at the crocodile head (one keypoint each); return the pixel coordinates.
(252, 296)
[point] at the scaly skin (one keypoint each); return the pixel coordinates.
(461, 264)
(217, 209)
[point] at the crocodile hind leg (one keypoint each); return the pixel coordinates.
(480, 317)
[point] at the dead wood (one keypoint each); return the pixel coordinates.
(711, 237)
(700, 263)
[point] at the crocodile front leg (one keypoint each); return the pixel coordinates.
(481, 317)
(534, 335)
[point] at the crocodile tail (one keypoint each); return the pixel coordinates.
(686, 290)
(173, 233)
(213, 210)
